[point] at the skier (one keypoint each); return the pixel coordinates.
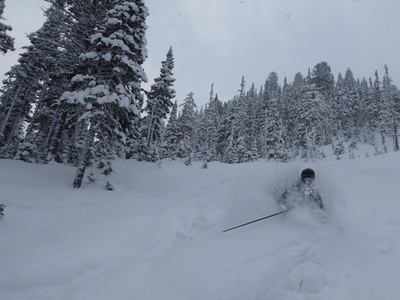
(302, 192)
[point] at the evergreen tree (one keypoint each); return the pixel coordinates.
(159, 101)
(259, 120)
(35, 82)
(14, 109)
(390, 108)
(345, 107)
(381, 111)
(372, 110)
(237, 129)
(273, 128)
(230, 153)
(6, 41)
(187, 126)
(363, 118)
(252, 128)
(293, 94)
(323, 79)
(353, 105)
(224, 131)
(172, 134)
(313, 115)
(106, 93)
(208, 130)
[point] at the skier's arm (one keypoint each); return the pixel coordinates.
(283, 200)
(318, 200)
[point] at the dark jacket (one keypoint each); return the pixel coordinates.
(301, 194)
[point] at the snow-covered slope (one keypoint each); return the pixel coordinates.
(158, 235)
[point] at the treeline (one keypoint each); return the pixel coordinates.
(296, 119)
(75, 97)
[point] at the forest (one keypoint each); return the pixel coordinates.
(76, 97)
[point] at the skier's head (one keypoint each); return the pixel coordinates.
(307, 175)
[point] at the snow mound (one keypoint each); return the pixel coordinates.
(158, 234)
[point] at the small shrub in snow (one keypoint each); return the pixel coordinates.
(26, 152)
(108, 170)
(377, 151)
(159, 163)
(353, 145)
(109, 186)
(106, 165)
(91, 177)
(351, 154)
(339, 150)
(2, 206)
(101, 164)
(188, 161)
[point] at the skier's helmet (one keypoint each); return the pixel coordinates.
(308, 175)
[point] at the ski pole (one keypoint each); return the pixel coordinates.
(275, 214)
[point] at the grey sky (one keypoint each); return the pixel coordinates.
(219, 41)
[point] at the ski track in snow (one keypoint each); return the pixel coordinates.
(164, 240)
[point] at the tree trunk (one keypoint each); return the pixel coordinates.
(55, 138)
(395, 137)
(80, 173)
(85, 158)
(383, 141)
(7, 117)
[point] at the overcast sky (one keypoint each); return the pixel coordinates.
(219, 41)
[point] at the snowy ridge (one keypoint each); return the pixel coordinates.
(157, 236)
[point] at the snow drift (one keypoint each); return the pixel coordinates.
(158, 235)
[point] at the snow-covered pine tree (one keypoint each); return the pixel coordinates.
(372, 114)
(338, 108)
(291, 96)
(233, 132)
(323, 79)
(186, 123)
(240, 124)
(106, 90)
(357, 111)
(251, 128)
(339, 149)
(54, 124)
(6, 41)
(382, 112)
(313, 116)
(21, 90)
(159, 102)
(363, 115)
(237, 129)
(230, 152)
(201, 147)
(390, 108)
(36, 81)
(345, 107)
(172, 134)
(354, 105)
(273, 128)
(14, 108)
(285, 100)
(224, 131)
(208, 129)
(256, 116)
